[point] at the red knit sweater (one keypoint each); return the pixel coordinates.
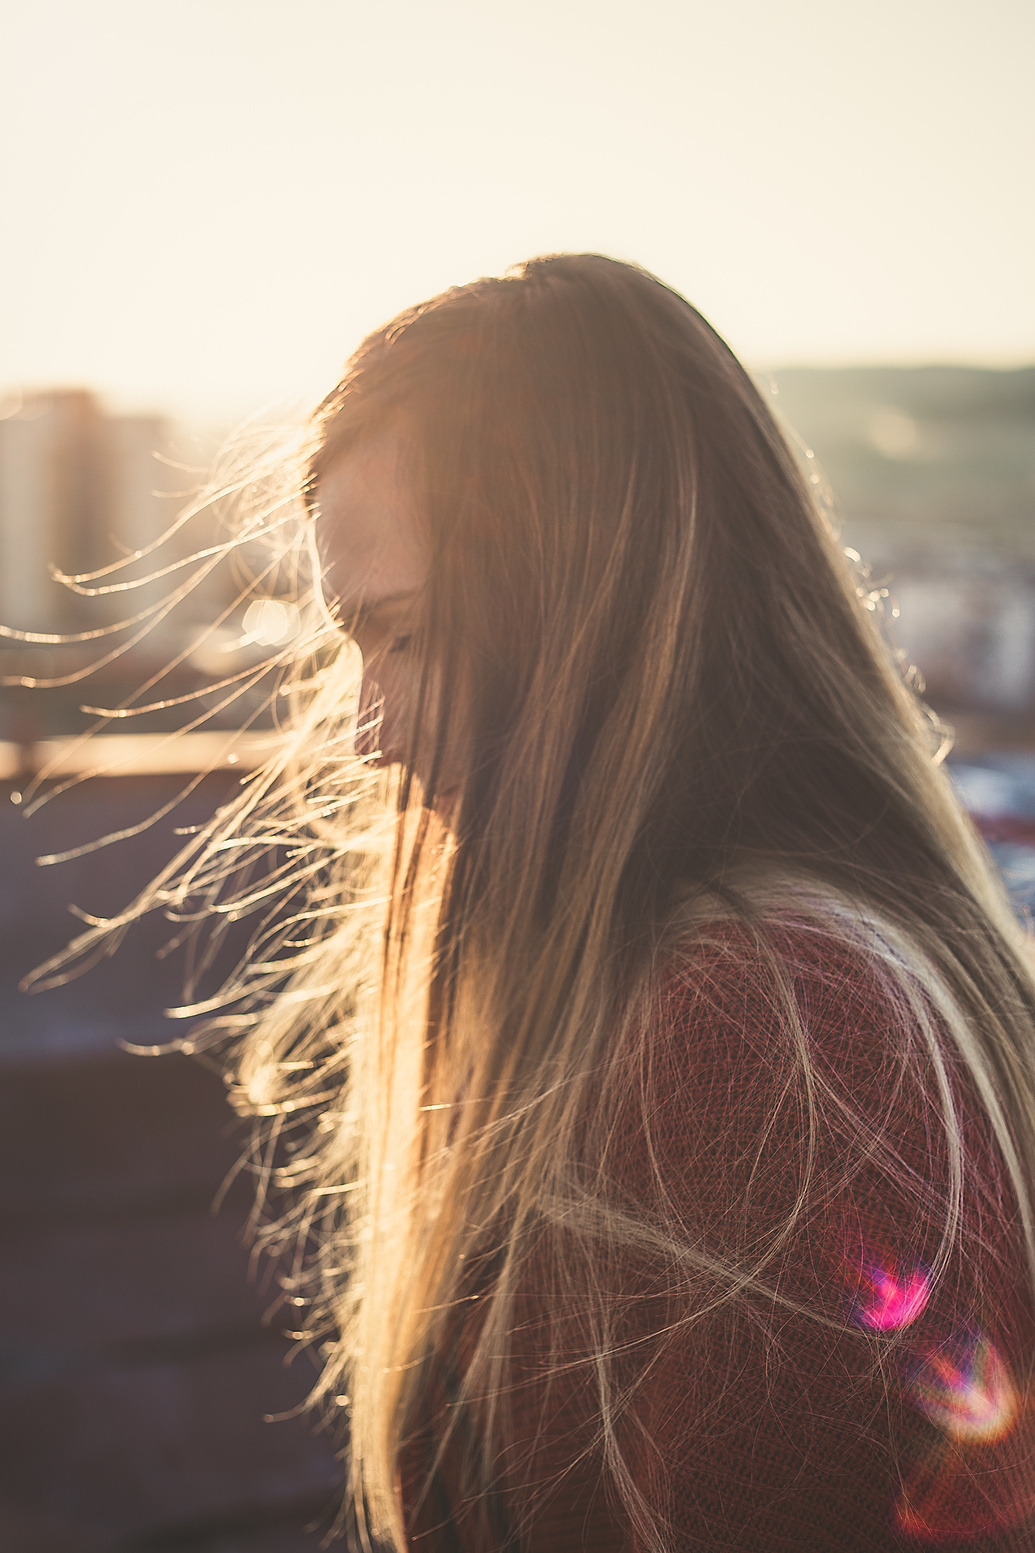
(855, 1402)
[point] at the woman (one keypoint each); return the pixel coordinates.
(678, 1191)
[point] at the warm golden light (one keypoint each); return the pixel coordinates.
(211, 202)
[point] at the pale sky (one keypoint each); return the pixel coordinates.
(207, 202)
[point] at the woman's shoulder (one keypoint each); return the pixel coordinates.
(804, 1144)
(788, 1072)
(734, 968)
(755, 1002)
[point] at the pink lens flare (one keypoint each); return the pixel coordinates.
(886, 1301)
(969, 1391)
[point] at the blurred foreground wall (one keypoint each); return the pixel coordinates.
(138, 1361)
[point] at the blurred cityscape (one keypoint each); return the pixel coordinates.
(932, 473)
(81, 491)
(929, 474)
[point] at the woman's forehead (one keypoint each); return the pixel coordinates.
(369, 536)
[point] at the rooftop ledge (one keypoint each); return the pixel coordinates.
(136, 754)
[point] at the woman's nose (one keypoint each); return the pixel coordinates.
(371, 712)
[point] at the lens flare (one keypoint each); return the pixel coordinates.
(967, 1391)
(888, 1299)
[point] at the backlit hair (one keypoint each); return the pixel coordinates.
(681, 712)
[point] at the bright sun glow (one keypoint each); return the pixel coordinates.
(215, 198)
(270, 622)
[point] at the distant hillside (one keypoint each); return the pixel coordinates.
(920, 457)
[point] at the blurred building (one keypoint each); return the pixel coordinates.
(91, 493)
(78, 488)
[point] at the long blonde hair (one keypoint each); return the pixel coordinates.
(681, 710)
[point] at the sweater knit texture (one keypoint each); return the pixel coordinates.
(851, 1398)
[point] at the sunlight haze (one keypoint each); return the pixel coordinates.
(209, 201)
